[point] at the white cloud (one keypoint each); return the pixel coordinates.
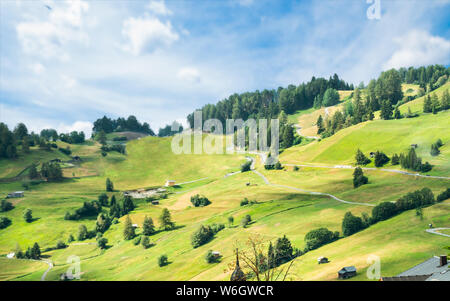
(418, 48)
(159, 8)
(79, 126)
(147, 34)
(245, 2)
(189, 74)
(37, 68)
(47, 38)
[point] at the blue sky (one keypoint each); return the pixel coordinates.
(65, 65)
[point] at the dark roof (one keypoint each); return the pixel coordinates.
(429, 267)
(347, 270)
(407, 278)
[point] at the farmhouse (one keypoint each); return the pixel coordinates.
(16, 194)
(347, 272)
(170, 183)
(155, 202)
(434, 269)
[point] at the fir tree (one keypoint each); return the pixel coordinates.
(148, 228)
(128, 230)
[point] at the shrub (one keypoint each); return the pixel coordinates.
(244, 202)
(109, 185)
(211, 258)
(60, 245)
(319, 237)
(416, 199)
(359, 178)
(28, 215)
(137, 241)
(246, 220)
(395, 159)
(443, 195)
(70, 239)
(200, 201)
(351, 224)
(383, 211)
(380, 159)
(101, 242)
(361, 159)
(6, 206)
(145, 242)
(82, 233)
(217, 227)
(201, 236)
(296, 168)
(230, 220)
(163, 260)
(4, 222)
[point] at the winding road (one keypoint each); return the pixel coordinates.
(435, 231)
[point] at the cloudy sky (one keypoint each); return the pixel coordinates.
(63, 64)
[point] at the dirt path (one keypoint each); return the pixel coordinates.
(435, 231)
(50, 266)
(368, 168)
(303, 190)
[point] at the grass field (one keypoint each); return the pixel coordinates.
(400, 242)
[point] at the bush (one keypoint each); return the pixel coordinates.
(380, 159)
(70, 239)
(244, 202)
(358, 178)
(296, 168)
(137, 241)
(395, 159)
(201, 236)
(383, 211)
(6, 206)
(246, 220)
(246, 166)
(351, 224)
(65, 151)
(211, 258)
(217, 227)
(145, 242)
(163, 260)
(443, 195)
(200, 201)
(4, 222)
(319, 237)
(60, 245)
(28, 215)
(361, 159)
(101, 242)
(120, 138)
(416, 199)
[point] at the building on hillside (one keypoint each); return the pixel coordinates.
(347, 272)
(216, 254)
(372, 154)
(434, 269)
(76, 158)
(170, 183)
(238, 274)
(16, 194)
(322, 259)
(155, 202)
(414, 145)
(135, 225)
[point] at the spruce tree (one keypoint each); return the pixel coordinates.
(427, 106)
(445, 102)
(33, 174)
(165, 220)
(386, 110)
(361, 159)
(28, 215)
(148, 228)
(109, 185)
(128, 230)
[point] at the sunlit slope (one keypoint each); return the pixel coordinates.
(416, 105)
(389, 136)
(150, 161)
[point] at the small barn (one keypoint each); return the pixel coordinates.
(414, 146)
(322, 259)
(372, 154)
(170, 183)
(216, 254)
(15, 194)
(155, 202)
(135, 225)
(76, 158)
(347, 272)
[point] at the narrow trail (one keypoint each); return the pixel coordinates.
(266, 181)
(435, 231)
(369, 168)
(50, 266)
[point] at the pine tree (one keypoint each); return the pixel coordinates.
(128, 230)
(28, 215)
(445, 102)
(319, 124)
(35, 251)
(113, 200)
(427, 106)
(128, 205)
(109, 185)
(434, 150)
(165, 220)
(102, 138)
(361, 159)
(288, 136)
(33, 174)
(397, 114)
(386, 110)
(148, 228)
(434, 103)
